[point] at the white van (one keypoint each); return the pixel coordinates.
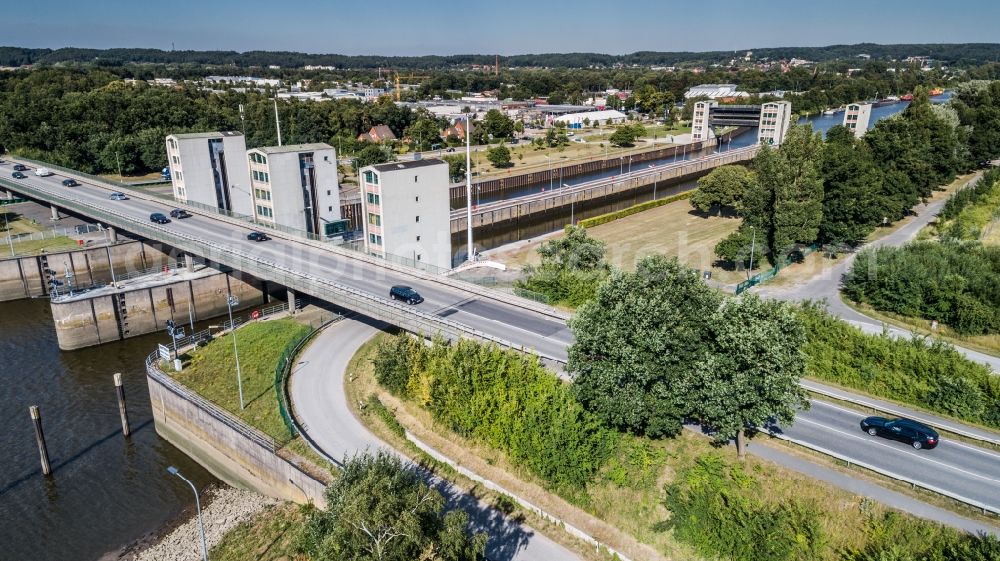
(43, 172)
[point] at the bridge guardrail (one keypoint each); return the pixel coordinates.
(398, 264)
(878, 407)
(405, 317)
(892, 475)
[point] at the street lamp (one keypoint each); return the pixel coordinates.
(468, 180)
(234, 301)
(753, 243)
(549, 160)
(6, 227)
(197, 503)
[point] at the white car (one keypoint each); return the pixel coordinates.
(43, 172)
(578, 139)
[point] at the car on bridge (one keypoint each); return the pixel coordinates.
(406, 294)
(70, 183)
(43, 172)
(179, 213)
(18, 175)
(159, 218)
(258, 237)
(911, 432)
(118, 196)
(20, 167)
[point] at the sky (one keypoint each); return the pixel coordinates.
(393, 27)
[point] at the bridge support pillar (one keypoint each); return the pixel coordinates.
(112, 235)
(7, 195)
(291, 301)
(55, 212)
(189, 262)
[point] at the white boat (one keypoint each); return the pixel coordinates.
(830, 112)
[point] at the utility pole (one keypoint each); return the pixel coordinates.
(468, 183)
(277, 121)
(753, 242)
(233, 301)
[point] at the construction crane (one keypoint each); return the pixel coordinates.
(409, 79)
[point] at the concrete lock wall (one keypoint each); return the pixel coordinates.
(213, 440)
(26, 277)
(111, 315)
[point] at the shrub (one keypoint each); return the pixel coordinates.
(634, 209)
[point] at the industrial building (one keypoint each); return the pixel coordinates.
(856, 118)
(406, 211)
(606, 117)
(714, 91)
(205, 168)
(296, 187)
(775, 118)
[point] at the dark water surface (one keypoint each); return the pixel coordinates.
(104, 491)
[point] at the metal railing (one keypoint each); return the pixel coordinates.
(892, 475)
(399, 264)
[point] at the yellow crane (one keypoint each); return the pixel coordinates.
(409, 79)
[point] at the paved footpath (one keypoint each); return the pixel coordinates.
(320, 405)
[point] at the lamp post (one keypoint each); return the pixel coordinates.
(549, 160)
(753, 243)
(6, 227)
(234, 301)
(197, 503)
(468, 181)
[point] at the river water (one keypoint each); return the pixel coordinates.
(104, 491)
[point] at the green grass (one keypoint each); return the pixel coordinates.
(211, 371)
(269, 536)
(58, 243)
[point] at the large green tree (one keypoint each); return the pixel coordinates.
(497, 124)
(637, 340)
(724, 187)
(379, 509)
(499, 156)
(851, 187)
(571, 268)
(750, 374)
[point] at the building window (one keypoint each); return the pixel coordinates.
(179, 175)
(173, 144)
(371, 177)
(418, 257)
(415, 178)
(265, 211)
(418, 219)
(416, 199)
(418, 238)
(374, 219)
(328, 193)
(377, 240)
(373, 199)
(329, 209)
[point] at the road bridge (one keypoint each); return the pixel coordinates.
(349, 279)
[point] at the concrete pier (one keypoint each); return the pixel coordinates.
(143, 305)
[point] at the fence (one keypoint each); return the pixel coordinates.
(492, 283)
(783, 262)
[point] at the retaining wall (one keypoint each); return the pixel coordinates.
(224, 445)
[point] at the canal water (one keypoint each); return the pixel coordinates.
(104, 491)
(495, 236)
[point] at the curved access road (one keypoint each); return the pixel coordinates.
(320, 406)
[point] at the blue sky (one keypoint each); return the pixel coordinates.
(509, 27)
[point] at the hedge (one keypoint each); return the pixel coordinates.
(634, 209)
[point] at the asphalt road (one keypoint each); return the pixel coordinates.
(319, 403)
(962, 469)
(549, 336)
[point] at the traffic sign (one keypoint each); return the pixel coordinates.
(164, 352)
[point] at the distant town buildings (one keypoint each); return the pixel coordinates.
(406, 211)
(775, 117)
(206, 167)
(457, 129)
(295, 186)
(856, 118)
(576, 120)
(378, 134)
(714, 91)
(250, 80)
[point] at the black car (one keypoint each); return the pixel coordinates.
(17, 175)
(20, 167)
(159, 218)
(258, 237)
(70, 183)
(911, 432)
(452, 149)
(180, 213)
(406, 294)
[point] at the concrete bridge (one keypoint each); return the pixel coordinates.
(349, 279)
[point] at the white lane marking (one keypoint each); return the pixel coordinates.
(907, 452)
(950, 442)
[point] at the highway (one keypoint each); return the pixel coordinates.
(546, 333)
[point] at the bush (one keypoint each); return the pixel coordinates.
(718, 509)
(510, 402)
(926, 374)
(634, 209)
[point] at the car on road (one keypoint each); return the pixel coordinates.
(578, 139)
(159, 218)
(406, 294)
(118, 196)
(452, 149)
(180, 213)
(18, 175)
(258, 237)
(43, 172)
(911, 432)
(20, 167)
(70, 183)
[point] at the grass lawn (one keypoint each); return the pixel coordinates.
(57, 243)
(270, 536)
(672, 230)
(623, 503)
(211, 371)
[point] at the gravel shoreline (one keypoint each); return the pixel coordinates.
(226, 508)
